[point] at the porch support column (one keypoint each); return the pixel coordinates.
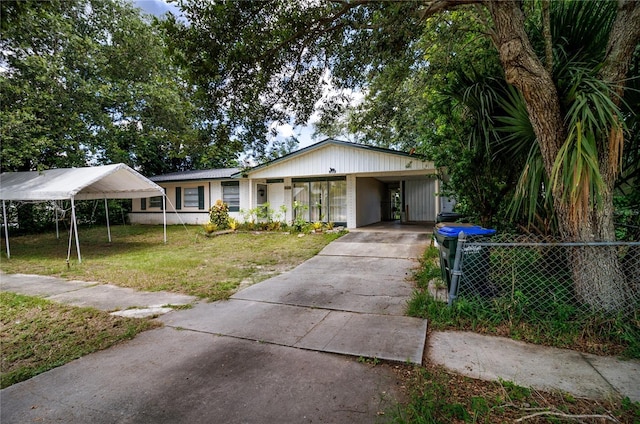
(352, 204)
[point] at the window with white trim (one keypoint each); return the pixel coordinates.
(190, 197)
(231, 195)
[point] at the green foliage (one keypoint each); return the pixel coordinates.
(219, 215)
(33, 218)
(436, 396)
(300, 224)
(90, 81)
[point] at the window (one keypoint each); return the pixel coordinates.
(325, 199)
(191, 197)
(231, 195)
(155, 202)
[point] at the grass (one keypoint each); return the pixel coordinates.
(560, 325)
(37, 335)
(190, 263)
(438, 396)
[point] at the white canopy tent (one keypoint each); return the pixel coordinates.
(117, 181)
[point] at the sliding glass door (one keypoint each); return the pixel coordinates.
(323, 200)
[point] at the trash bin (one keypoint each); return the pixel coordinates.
(448, 217)
(476, 265)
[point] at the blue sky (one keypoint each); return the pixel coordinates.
(156, 7)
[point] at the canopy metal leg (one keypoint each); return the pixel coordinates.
(74, 224)
(164, 217)
(106, 211)
(6, 228)
(55, 208)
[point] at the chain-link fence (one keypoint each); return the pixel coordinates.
(543, 277)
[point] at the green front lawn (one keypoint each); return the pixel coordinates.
(189, 263)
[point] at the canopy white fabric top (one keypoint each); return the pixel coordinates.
(117, 181)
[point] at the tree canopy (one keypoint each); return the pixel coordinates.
(89, 81)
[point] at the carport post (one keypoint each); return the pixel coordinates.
(6, 228)
(106, 212)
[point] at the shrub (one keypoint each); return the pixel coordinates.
(209, 227)
(219, 214)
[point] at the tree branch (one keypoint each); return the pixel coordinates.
(436, 6)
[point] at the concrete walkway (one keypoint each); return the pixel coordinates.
(528, 365)
(106, 297)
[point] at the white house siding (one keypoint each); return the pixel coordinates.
(420, 200)
(341, 160)
(245, 195)
(369, 192)
(186, 215)
(368, 172)
(276, 198)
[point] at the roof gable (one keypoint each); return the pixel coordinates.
(339, 157)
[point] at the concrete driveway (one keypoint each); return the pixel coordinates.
(259, 357)
(349, 299)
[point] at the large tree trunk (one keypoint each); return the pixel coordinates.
(598, 278)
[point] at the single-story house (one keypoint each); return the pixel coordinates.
(345, 183)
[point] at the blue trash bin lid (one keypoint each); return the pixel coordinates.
(476, 230)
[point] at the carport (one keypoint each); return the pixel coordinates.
(117, 181)
(407, 197)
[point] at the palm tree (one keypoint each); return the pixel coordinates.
(577, 179)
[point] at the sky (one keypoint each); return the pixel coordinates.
(304, 134)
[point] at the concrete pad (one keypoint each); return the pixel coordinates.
(377, 250)
(395, 338)
(541, 367)
(623, 375)
(398, 339)
(171, 376)
(38, 285)
(385, 238)
(387, 295)
(363, 266)
(152, 311)
(265, 322)
(108, 297)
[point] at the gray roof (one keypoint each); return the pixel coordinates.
(205, 174)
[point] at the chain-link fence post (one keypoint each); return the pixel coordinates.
(456, 271)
